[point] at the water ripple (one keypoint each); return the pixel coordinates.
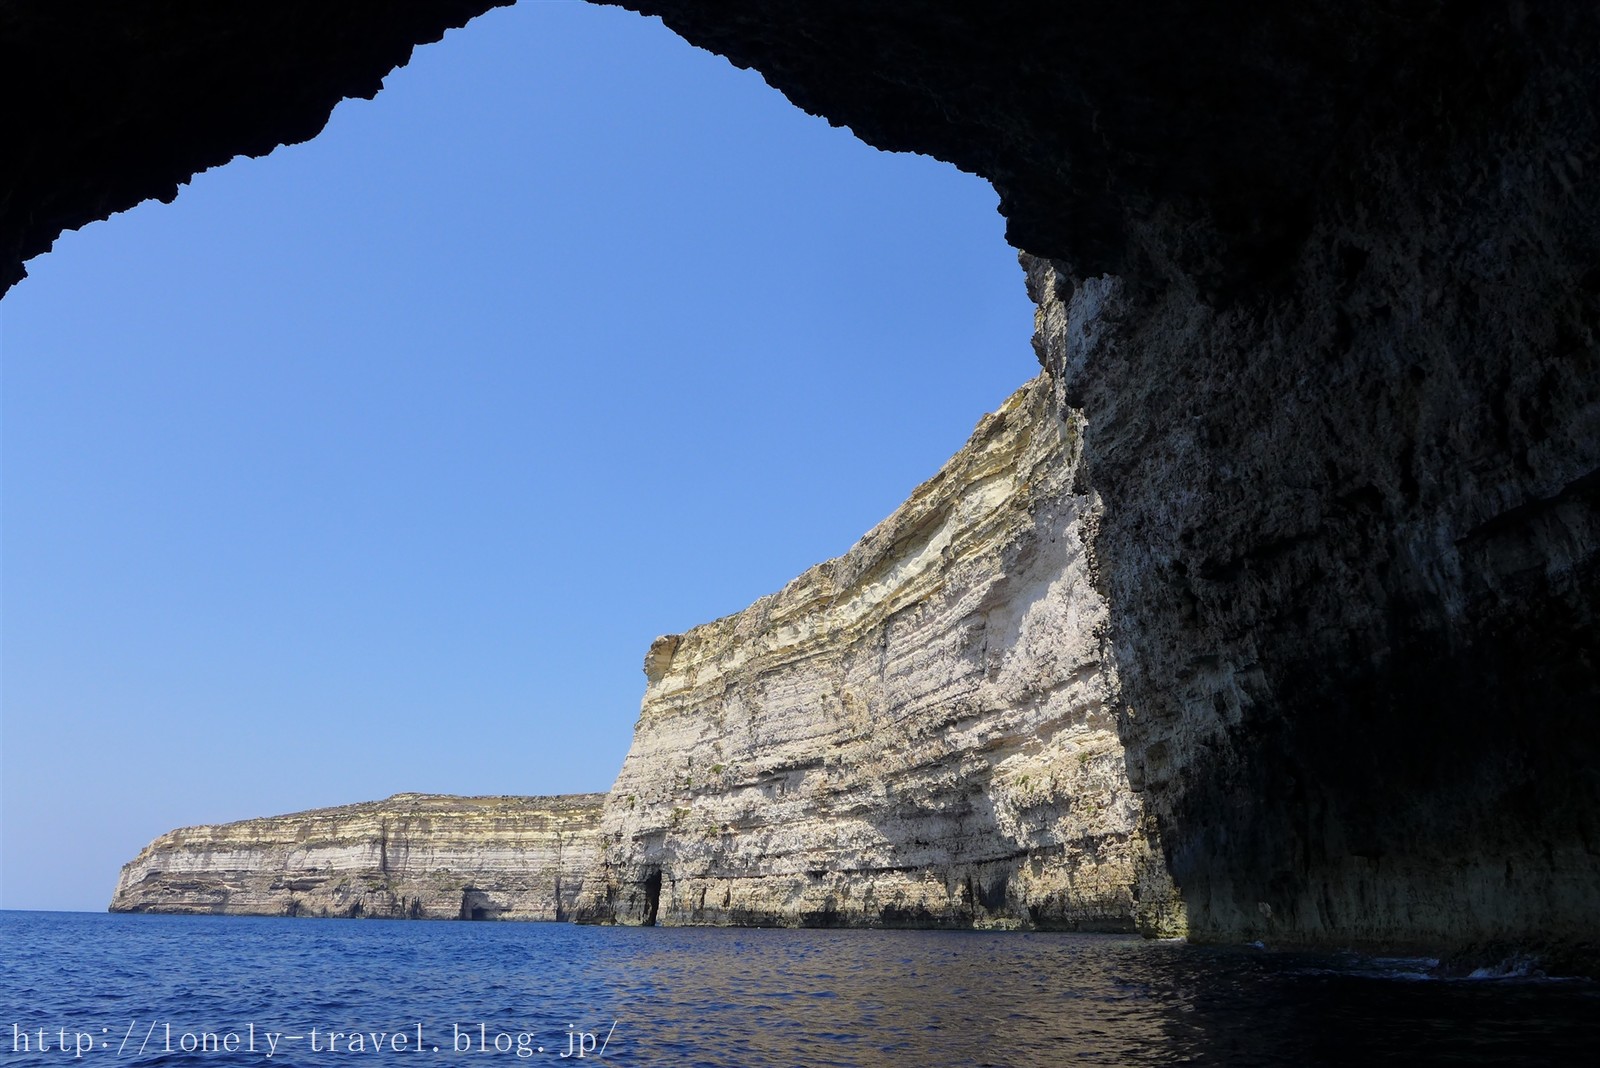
(755, 999)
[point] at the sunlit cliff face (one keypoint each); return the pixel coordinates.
(1322, 286)
(918, 733)
(1321, 282)
(411, 856)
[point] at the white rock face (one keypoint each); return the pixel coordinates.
(921, 732)
(420, 856)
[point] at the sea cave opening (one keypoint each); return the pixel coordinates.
(652, 897)
(504, 391)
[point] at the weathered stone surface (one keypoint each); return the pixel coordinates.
(1352, 528)
(1325, 282)
(921, 732)
(1326, 287)
(417, 856)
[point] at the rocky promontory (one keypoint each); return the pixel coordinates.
(921, 732)
(413, 856)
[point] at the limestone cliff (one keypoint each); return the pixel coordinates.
(1324, 280)
(920, 732)
(417, 856)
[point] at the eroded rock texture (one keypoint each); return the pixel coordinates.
(1324, 279)
(416, 856)
(921, 732)
(1326, 285)
(1355, 608)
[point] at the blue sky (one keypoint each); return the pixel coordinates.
(375, 464)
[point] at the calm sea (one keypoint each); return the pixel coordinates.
(146, 990)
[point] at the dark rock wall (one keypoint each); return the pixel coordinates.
(1354, 611)
(1325, 280)
(1351, 522)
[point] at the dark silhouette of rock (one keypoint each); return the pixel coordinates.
(1323, 279)
(114, 102)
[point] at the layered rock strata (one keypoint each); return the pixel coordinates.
(1324, 279)
(416, 856)
(920, 732)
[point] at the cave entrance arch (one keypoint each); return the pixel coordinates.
(652, 897)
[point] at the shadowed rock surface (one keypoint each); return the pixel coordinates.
(1324, 281)
(412, 856)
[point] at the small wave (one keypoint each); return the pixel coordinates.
(1520, 969)
(1515, 967)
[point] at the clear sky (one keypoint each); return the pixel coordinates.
(375, 464)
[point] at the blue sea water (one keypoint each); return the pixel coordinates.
(148, 990)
